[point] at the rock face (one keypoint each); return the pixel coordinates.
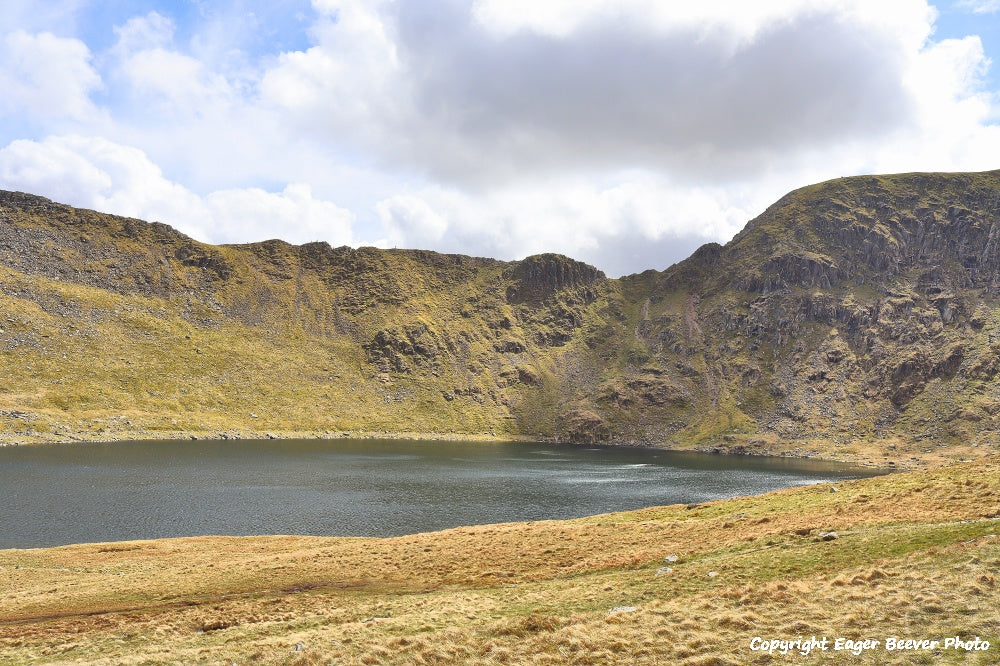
(858, 310)
(544, 275)
(400, 349)
(858, 306)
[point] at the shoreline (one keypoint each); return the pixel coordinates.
(906, 458)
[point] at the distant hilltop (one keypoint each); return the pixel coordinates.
(854, 319)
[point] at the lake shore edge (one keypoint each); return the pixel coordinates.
(894, 456)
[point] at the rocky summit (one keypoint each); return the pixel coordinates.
(855, 319)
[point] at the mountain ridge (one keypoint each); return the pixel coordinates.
(854, 319)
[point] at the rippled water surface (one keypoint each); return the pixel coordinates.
(60, 494)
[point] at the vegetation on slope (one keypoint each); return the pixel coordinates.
(116, 326)
(856, 319)
(915, 556)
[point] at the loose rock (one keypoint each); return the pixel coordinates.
(622, 609)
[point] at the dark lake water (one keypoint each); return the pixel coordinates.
(61, 494)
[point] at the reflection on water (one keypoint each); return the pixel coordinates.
(51, 495)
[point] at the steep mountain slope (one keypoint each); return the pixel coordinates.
(857, 318)
(117, 325)
(857, 308)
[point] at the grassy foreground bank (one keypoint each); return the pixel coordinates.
(915, 556)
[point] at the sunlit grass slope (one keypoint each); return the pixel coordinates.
(111, 327)
(916, 555)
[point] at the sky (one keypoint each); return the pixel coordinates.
(624, 133)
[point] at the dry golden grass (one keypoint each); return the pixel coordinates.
(916, 556)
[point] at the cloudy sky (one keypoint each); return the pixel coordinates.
(621, 132)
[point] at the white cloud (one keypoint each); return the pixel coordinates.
(56, 16)
(141, 33)
(623, 132)
(347, 87)
(164, 82)
(980, 6)
(293, 215)
(177, 82)
(106, 176)
(493, 93)
(411, 222)
(99, 174)
(946, 81)
(637, 217)
(954, 114)
(46, 78)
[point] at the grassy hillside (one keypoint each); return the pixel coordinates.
(856, 319)
(115, 327)
(915, 556)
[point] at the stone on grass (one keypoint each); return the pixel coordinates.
(622, 609)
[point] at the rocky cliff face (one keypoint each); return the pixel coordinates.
(858, 309)
(859, 315)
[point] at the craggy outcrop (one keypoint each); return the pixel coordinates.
(542, 276)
